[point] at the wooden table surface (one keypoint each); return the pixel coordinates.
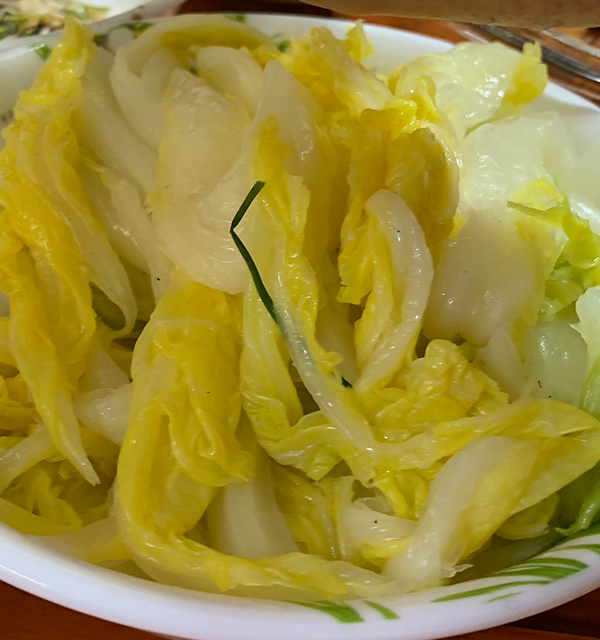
(25, 617)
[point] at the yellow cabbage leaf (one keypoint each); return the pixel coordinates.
(337, 81)
(400, 149)
(475, 82)
(45, 484)
(26, 522)
(185, 402)
(54, 255)
(357, 44)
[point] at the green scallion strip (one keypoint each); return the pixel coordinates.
(101, 40)
(41, 49)
(263, 294)
(236, 17)
(254, 273)
(281, 41)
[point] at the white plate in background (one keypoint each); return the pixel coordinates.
(118, 11)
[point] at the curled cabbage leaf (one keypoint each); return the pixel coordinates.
(160, 496)
(476, 82)
(54, 253)
(144, 66)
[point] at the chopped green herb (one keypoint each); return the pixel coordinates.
(41, 49)
(236, 17)
(137, 28)
(7, 30)
(101, 40)
(194, 71)
(281, 41)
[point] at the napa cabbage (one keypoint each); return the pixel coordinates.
(144, 66)
(279, 326)
(54, 253)
(476, 82)
(167, 481)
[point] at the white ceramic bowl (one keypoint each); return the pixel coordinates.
(117, 11)
(561, 574)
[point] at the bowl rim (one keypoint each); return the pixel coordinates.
(190, 615)
(161, 609)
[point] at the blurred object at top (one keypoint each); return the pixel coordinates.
(572, 54)
(537, 14)
(253, 6)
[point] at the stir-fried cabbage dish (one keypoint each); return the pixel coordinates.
(277, 325)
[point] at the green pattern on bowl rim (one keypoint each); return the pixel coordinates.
(542, 570)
